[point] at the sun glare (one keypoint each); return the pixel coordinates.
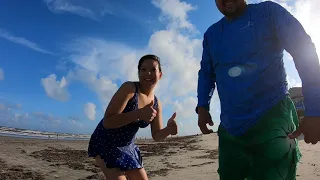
(309, 16)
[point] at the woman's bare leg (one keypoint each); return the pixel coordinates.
(110, 174)
(137, 174)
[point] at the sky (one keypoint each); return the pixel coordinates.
(62, 60)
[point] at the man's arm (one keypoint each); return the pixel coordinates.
(206, 79)
(300, 46)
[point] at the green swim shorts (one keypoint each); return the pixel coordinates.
(264, 152)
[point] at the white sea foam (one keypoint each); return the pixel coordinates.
(8, 131)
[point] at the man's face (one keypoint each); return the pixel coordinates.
(231, 8)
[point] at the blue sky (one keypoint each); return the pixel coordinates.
(62, 60)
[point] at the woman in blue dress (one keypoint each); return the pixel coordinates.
(132, 107)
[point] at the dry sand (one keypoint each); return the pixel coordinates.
(177, 159)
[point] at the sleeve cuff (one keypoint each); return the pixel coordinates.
(312, 113)
(207, 107)
(312, 108)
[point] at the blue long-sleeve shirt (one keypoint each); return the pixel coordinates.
(243, 58)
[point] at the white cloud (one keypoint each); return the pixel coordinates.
(178, 51)
(176, 12)
(22, 41)
(292, 82)
(20, 117)
(47, 118)
(215, 110)
(1, 75)
(97, 9)
(180, 55)
(12, 115)
(48, 122)
(54, 88)
(185, 108)
(75, 123)
(8, 116)
(90, 110)
(100, 84)
(93, 10)
(60, 6)
(98, 55)
(9, 106)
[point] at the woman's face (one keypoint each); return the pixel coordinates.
(149, 73)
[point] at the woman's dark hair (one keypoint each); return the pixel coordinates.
(149, 56)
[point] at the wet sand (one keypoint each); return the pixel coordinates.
(194, 157)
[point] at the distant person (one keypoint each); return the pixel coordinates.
(243, 57)
(132, 107)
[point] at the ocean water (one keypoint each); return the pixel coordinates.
(41, 137)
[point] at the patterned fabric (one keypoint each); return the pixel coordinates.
(116, 146)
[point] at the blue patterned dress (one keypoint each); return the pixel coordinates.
(116, 146)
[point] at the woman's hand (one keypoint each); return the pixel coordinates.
(172, 125)
(147, 113)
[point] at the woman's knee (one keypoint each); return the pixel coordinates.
(137, 174)
(99, 162)
(112, 174)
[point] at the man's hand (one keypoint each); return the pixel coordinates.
(204, 118)
(310, 128)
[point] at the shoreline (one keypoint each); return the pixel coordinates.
(41, 137)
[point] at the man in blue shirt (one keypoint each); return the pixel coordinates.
(243, 58)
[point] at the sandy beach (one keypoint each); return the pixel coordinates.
(193, 158)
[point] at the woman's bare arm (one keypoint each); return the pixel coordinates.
(113, 117)
(158, 132)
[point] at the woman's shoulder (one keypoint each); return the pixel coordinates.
(128, 87)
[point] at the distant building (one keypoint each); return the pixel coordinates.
(297, 98)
